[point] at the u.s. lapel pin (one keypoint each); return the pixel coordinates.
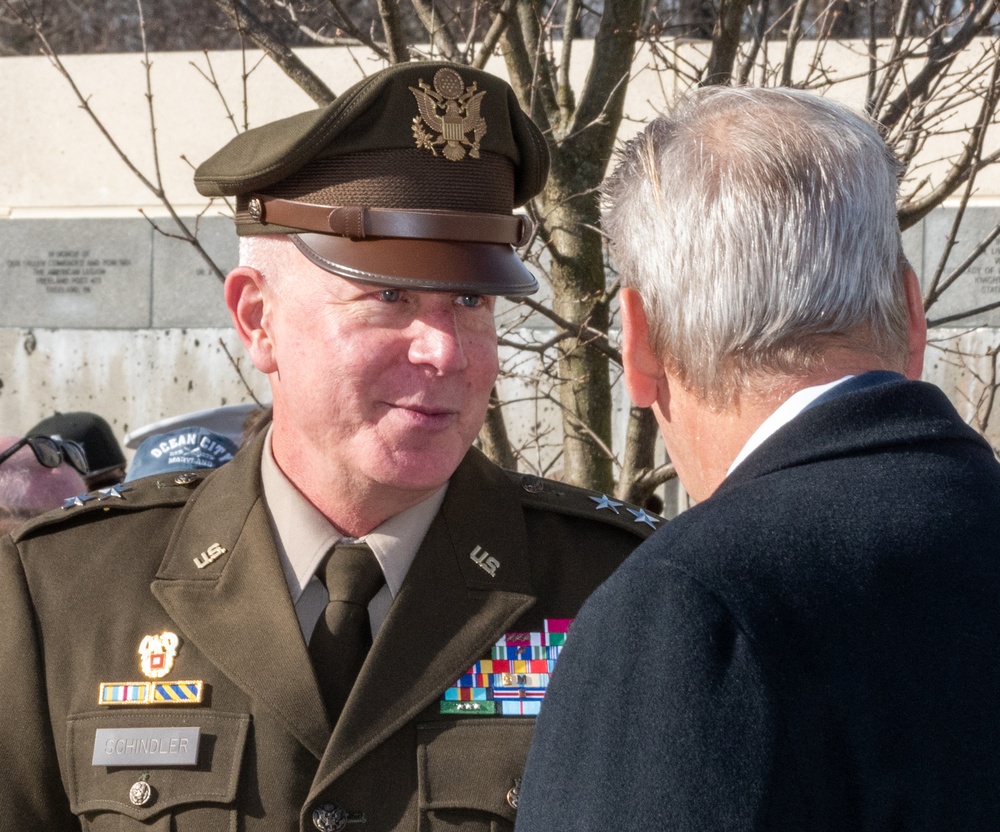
(210, 555)
(485, 561)
(156, 654)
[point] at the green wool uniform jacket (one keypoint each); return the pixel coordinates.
(194, 555)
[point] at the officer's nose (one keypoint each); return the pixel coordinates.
(437, 342)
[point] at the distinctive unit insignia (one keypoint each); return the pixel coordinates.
(452, 110)
(157, 654)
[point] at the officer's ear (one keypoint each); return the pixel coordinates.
(249, 301)
(643, 369)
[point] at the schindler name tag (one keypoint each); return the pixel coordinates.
(146, 746)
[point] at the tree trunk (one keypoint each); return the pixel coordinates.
(571, 208)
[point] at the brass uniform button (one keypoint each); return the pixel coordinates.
(141, 794)
(514, 795)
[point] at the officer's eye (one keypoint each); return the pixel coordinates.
(470, 301)
(390, 295)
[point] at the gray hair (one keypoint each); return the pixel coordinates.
(759, 227)
(268, 254)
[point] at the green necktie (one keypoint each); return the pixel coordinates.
(343, 636)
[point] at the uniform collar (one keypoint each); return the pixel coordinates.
(303, 535)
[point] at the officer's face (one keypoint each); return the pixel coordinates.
(386, 386)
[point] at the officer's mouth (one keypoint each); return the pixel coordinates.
(429, 418)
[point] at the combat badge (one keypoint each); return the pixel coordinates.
(452, 110)
(157, 654)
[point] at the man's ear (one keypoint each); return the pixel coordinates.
(249, 302)
(917, 324)
(643, 368)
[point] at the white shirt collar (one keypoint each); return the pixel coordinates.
(788, 410)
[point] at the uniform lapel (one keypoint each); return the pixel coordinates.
(446, 616)
(236, 610)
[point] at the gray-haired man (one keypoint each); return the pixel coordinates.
(813, 646)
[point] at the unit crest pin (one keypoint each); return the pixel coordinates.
(157, 654)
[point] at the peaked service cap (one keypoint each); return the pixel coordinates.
(408, 179)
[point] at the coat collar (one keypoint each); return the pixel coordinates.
(857, 417)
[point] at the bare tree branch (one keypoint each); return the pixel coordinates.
(501, 20)
(529, 69)
(792, 41)
(968, 163)
(438, 29)
(603, 96)
(154, 187)
(236, 366)
(940, 56)
(759, 31)
(493, 436)
(584, 334)
(564, 90)
(282, 55)
(388, 12)
(725, 42)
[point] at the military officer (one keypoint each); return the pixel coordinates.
(213, 650)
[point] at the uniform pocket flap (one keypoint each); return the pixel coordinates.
(211, 779)
(473, 764)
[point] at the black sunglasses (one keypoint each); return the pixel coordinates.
(50, 452)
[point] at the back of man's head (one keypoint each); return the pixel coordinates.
(759, 226)
(28, 488)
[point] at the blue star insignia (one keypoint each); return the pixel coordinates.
(641, 517)
(604, 501)
(115, 491)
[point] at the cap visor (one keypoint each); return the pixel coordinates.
(429, 265)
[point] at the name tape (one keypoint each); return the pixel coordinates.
(146, 746)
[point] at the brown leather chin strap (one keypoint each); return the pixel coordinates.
(358, 222)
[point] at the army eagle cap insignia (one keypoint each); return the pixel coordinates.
(451, 110)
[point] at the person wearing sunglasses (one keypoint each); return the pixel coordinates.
(37, 473)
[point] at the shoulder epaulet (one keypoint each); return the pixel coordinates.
(581, 502)
(150, 492)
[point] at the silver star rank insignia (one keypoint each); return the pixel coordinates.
(604, 501)
(641, 516)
